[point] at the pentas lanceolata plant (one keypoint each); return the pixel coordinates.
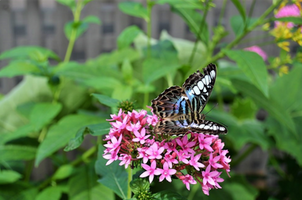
(193, 158)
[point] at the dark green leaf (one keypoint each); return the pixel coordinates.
(295, 20)
(134, 9)
(168, 195)
(240, 8)
(28, 194)
(127, 36)
(238, 24)
(17, 152)
(29, 52)
(50, 193)
(253, 66)
(108, 101)
(244, 108)
(92, 20)
(17, 68)
(139, 184)
(60, 133)
(114, 176)
(9, 176)
(95, 130)
(191, 4)
(274, 109)
(193, 20)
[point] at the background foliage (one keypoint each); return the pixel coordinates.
(52, 108)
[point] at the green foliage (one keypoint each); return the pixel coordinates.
(58, 103)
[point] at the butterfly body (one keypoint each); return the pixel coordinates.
(179, 108)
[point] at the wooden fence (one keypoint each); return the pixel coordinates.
(41, 22)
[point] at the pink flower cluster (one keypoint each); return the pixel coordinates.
(288, 11)
(192, 158)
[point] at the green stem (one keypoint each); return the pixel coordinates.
(193, 191)
(247, 152)
(74, 30)
(129, 171)
(146, 98)
(219, 96)
(260, 21)
(222, 13)
(199, 32)
(169, 80)
(28, 169)
(276, 165)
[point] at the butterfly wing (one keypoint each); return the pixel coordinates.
(170, 103)
(198, 87)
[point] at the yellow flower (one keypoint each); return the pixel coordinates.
(284, 45)
(297, 36)
(283, 70)
(299, 56)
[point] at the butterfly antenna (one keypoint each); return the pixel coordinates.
(212, 108)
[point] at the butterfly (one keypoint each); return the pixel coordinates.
(179, 108)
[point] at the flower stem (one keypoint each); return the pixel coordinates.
(74, 30)
(222, 12)
(193, 191)
(129, 171)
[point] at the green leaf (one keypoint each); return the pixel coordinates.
(108, 101)
(191, 4)
(94, 129)
(134, 9)
(84, 185)
(244, 108)
(17, 152)
(92, 20)
(50, 193)
(193, 20)
(9, 176)
(60, 133)
(69, 3)
(253, 66)
(138, 185)
(103, 83)
(29, 52)
(114, 176)
(28, 194)
(79, 27)
(17, 68)
(167, 195)
(288, 88)
(63, 172)
(122, 93)
(273, 108)
(238, 24)
(295, 20)
(127, 71)
(127, 36)
(240, 8)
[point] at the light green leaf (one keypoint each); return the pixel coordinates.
(63, 172)
(127, 71)
(253, 66)
(103, 83)
(122, 92)
(29, 52)
(17, 68)
(271, 105)
(79, 27)
(50, 193)
(240, 8)
(134, 9)
(108, 101)
(94, 129)
(69, 3)
(9, 176)
(114, 176)
(92, 20)
(17, 152)
(127, 36)
(60, 133)
(238, 24)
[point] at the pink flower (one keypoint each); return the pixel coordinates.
(151, 171)
(182, 156)
(257, 50)
(194, 162)
(208, 176)
(114, 144)
(154, 152)
(288, 11)
(142, 154)
(111, 157)
(213, 161)
(187, 180)
(134, 127)
(205, 142)
(170, 159)
(185, 145)
(166, 173)
(126, 159)
(140, 137)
